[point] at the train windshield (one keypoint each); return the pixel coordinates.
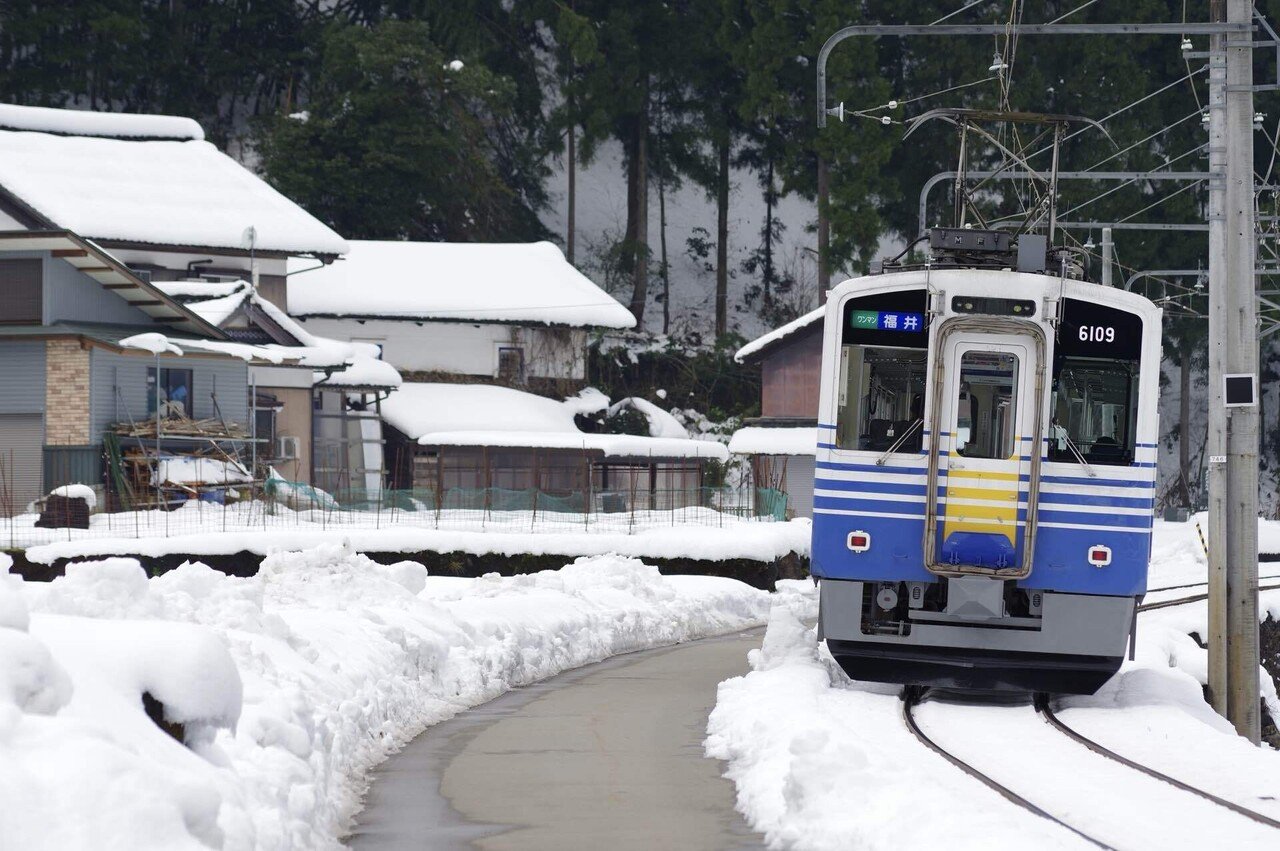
(1094, 411)
(881, 400)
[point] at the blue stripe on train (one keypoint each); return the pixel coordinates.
(1060, 563)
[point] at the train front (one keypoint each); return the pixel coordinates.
(984, 485)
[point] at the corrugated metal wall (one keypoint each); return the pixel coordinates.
(128, 374)
(72, 296)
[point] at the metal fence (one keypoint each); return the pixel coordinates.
(277, 504)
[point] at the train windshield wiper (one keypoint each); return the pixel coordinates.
(894, 448)
(1076, 452)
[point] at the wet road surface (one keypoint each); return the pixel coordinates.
(605, 757)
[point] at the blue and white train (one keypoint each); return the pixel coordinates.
(985, 475)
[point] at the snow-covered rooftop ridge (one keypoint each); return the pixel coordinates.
(777, 334)
(486, 282)
(485, 415)
(787, 440)
(225, 298)
(180, 193)
(79, 122)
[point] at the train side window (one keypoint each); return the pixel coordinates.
(881, 399)
(985, 422)
(1095, 411)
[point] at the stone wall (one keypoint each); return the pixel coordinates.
(66, 419)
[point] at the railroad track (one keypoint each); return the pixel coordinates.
(912, 695)
(1192, 598)
(1046, 711)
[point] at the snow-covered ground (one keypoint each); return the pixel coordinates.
(734, 539)
(290, 685)
(822, 762)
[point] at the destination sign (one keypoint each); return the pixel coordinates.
(884, 320)
(897, 319)
(1093, 330)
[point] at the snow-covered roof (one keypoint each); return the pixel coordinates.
(486, 282)
(759, 344)
(760, 440)
(174, 192)
(79, 122)
(483, 415)
(338, 364)
(225, 298)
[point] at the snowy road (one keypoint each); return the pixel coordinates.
(608, 756)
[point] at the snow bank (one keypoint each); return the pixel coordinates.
(734, 540)
(823, 762)
(335, 661)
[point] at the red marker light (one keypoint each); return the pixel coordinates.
(859, 542)
(1099, 555)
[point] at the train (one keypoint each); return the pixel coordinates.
(984, 483)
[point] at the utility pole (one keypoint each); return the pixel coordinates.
(1215, 447)
(1233, 350)
(1107, 247)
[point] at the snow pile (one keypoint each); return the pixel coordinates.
(292, 684)
(484, 282)
(661, 423)
(77, 491)
(81, 764)
(823, 762)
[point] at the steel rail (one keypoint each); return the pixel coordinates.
(910, 697)
(1046, 711)
(1194, 598)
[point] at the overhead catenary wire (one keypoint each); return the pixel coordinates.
(1079, 8)
(963, 8)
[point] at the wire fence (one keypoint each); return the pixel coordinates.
(166, 510)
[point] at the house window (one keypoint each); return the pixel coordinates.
(20, 291)
(176, 394)
(511, 364)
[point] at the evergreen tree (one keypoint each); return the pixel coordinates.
(400, 139)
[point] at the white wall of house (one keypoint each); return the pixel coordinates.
(463, 348)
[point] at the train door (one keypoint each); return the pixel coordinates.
(986, 414)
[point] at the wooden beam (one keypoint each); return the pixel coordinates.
(168, 319)
(90, 269)
(149, 302)
(69, 252)
(119, 286)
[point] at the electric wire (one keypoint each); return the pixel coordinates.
(1079, 8)
(950, 15)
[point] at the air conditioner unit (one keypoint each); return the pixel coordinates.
(288, 448)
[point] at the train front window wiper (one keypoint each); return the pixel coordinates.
(1061, 434)
(910, 430)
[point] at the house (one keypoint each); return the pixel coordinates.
(316, 427)
(201, 232)
(456, 443)
(88, 345)
(515, 314)
(782, 441)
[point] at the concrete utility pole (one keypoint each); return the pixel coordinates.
(1233, 344)
(1107, 247)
